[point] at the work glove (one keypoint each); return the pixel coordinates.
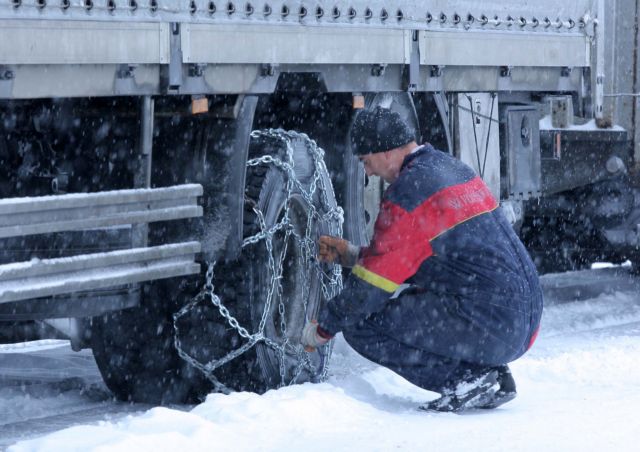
(310, 338)
(334, 249)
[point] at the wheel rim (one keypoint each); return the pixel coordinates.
(297, 291)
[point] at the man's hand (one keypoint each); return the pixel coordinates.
(334, 249)
(310, 337)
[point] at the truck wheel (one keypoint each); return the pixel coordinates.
(296, 292)
(135, 349)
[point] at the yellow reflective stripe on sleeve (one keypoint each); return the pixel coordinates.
(375, 280)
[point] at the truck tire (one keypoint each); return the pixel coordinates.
(244, 287)
(134, 349)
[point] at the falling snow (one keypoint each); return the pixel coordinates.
(578, 390)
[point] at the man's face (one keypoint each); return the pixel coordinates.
(379, 164)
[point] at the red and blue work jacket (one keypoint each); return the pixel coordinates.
(441, 231)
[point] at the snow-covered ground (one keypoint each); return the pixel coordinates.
(579, 389)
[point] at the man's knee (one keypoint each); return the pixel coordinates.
(360, 336)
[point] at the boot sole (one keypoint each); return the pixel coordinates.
(496, 400)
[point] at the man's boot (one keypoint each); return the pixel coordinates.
(466, 392)
(505, 393)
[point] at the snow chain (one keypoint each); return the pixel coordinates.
(331, 284)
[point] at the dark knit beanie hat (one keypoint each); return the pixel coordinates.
(379, 130)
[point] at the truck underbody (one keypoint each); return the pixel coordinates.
(141, 144)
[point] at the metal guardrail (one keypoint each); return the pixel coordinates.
(28, 216)
(47, 277)
(39, 278)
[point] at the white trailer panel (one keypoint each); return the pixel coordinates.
(76, 42)
(245, 44)
(479, 48)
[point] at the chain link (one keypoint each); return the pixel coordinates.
(318, 191)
